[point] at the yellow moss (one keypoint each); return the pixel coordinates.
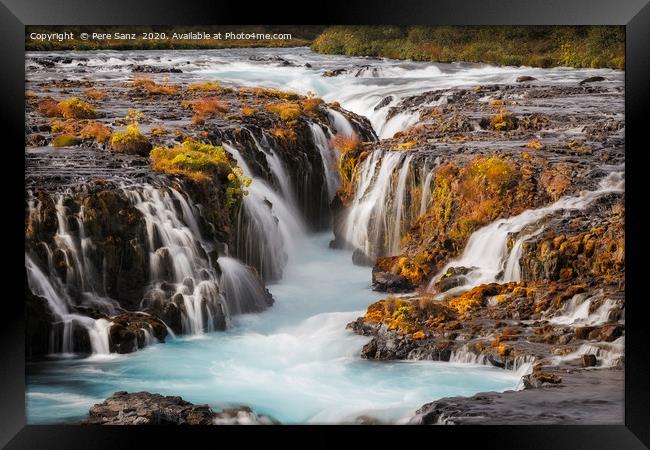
(207, 86)
(151, 87)
(406, 145)
(131, 140)
(74, 108)
(535, 144)
(288, 111)
(65, 140)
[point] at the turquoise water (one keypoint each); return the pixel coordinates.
(295, 362)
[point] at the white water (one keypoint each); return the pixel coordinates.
(177, 255)
(359, 94)
(576, 311)
(329, 155)
(487, 252)
(270, 230)
(295, 361)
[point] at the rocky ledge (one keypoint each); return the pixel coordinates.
(144, 408)
(593, 397)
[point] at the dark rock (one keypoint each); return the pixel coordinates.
(591, 80)
(589, 360)
(523, 78)
(127, 332)
(334, 72)
(155, 69)
(384, 102)
(144, 408)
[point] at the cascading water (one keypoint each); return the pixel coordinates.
(277, 167)
(269, 229)
(178, 256)
(486, 251)
(330, 156)
(383, 204)
(243, 291)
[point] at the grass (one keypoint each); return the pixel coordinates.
(95, 130)
(273, 93)
(537, 46)
(48, 107)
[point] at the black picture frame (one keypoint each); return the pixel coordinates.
(634, 14)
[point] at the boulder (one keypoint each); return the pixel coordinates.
(144, 408)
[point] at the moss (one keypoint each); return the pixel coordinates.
(205, 108)
(346, 143)
(248, 111)
(503, 121)
(130, 141)
(95, 94)
(95, 130)
(149, 86)
(405, 145)
(195, 160)
(288, 111)
(49, 107)
(271, 93)
(74, 108)
(65, 140)
(207, 86)
(311, 105)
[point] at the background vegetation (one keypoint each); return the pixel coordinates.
(537, 46)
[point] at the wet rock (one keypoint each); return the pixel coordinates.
(334, 72)
(38, 325)
(155, 69)
(589, 360)
(384, 102)
(523, 78)
(359, 258)
(591, 80)
(129, 331)
(454, 277)
(144, 408)
(390, 282)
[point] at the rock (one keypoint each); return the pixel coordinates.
(384, 102)
(307, 65)
(334, 72)
(359, 258)
(130, 331)
(591, 80)
(144, 408)
(523, 78)
(589, 360)
(454, 277)
(155, 69)
(390, 282)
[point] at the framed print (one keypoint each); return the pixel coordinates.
(381, 215)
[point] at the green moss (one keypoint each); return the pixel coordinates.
(65, 140)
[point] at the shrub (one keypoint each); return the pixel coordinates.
(503, 121)
(74, 108)
(65, 140)
(49, 107)
(205, 108)
(195, 160)
(158, 131)
(288, 111)
(130, 141)
(95, 94)
(150, 86)
(95, 130)
(346, 143)
(207, 86)
(237, 184)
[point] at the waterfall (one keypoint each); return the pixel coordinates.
(340, 123)
(243, 290)
(178, 257)
(426, 188)
(329, 155)
(269, 229)
(277, 167)
(576, 311)
(59, 304)
(486, 251)
(376, 216)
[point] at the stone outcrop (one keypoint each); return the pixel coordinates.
(144, 408)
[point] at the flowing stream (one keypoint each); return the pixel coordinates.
(294, 361)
